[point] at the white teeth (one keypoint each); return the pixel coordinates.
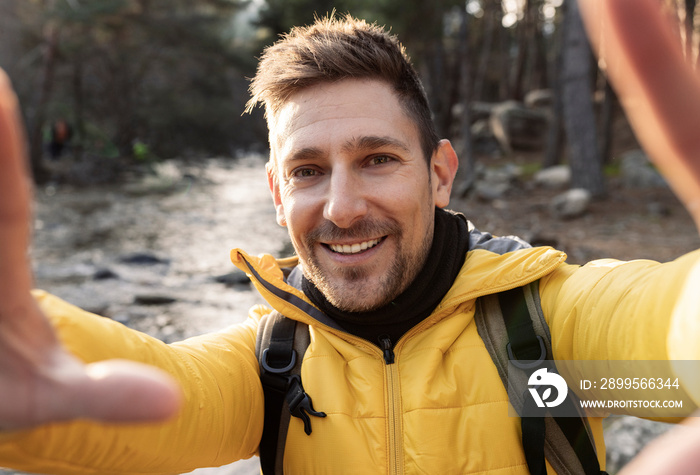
(354, 248)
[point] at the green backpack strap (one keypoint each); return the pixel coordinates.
(513, 329)
(280, 346)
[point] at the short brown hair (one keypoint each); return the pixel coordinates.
(332, 49)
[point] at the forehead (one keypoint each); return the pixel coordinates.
(330, 115)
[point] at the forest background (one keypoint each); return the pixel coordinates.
(146, 80)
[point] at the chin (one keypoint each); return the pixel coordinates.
(349, 300)
(357, 307)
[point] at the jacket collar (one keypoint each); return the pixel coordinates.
(493, 264)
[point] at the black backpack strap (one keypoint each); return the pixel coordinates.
(280, 347)
(513, 328)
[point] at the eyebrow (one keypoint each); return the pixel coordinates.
(373, 142)
(306, 153)
(366, 142)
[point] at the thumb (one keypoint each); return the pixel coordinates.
(115, 391)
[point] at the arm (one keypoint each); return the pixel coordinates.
(219, 422)
(659, 91)
(661, 95)
(53, 372)
(41, 382)
(613, 310)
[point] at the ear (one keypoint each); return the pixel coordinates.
(273, 184)
(443, 167)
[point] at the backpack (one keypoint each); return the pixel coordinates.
(513, 329)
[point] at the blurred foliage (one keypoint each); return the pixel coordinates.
(172, 75)
(167, 73)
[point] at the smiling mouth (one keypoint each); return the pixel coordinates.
(355, 248)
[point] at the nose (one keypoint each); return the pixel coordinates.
(346, 201)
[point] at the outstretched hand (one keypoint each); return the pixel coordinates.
(659, 89)
(39, 381)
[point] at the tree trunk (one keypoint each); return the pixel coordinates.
(78, 101)
(466, 153)
(437, 81)
(489, 22)
(579, 116)
(606, 123)
(36, 142)
(537, 75)
(555, 135)
(523, 33)
(504, 43)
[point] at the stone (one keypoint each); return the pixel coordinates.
(571, 204)
(518, 128)
(488, 191)
(658, 209)
(154, 299)
(557, 177)
(143, 258)
(636, 171)
(104, 274)
(236, 277)
(539, 99)
(483, 141)
(493, 183)
(626, 436)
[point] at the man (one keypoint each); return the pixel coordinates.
(386, 280)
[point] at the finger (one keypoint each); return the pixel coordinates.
(108, 391)
(675, 452)
(658, 89)
(18, 312)
(126, 391)
(15, 276)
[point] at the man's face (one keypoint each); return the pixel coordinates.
(350, 182)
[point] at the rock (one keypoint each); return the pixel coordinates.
(571, 204)
(153, 299)
(480, 110)
(537, 240)
(659, 209)
(143, 258)
(236, 277)
(97, 309)
(122, 318)
(483, 141)
(539, 99)
(494, 182)
(518, 128)
(626, 436)
(636, 171)
(505, 174)
(556, 178)
(488, 191)
(104, 274)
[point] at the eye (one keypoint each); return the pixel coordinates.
(304, 172)
(380, 160)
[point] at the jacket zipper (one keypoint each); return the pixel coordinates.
(395, 429)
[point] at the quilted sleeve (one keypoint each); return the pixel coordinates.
(636, 310)
(220, 422)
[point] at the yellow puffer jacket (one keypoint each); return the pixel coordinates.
(440, 408)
